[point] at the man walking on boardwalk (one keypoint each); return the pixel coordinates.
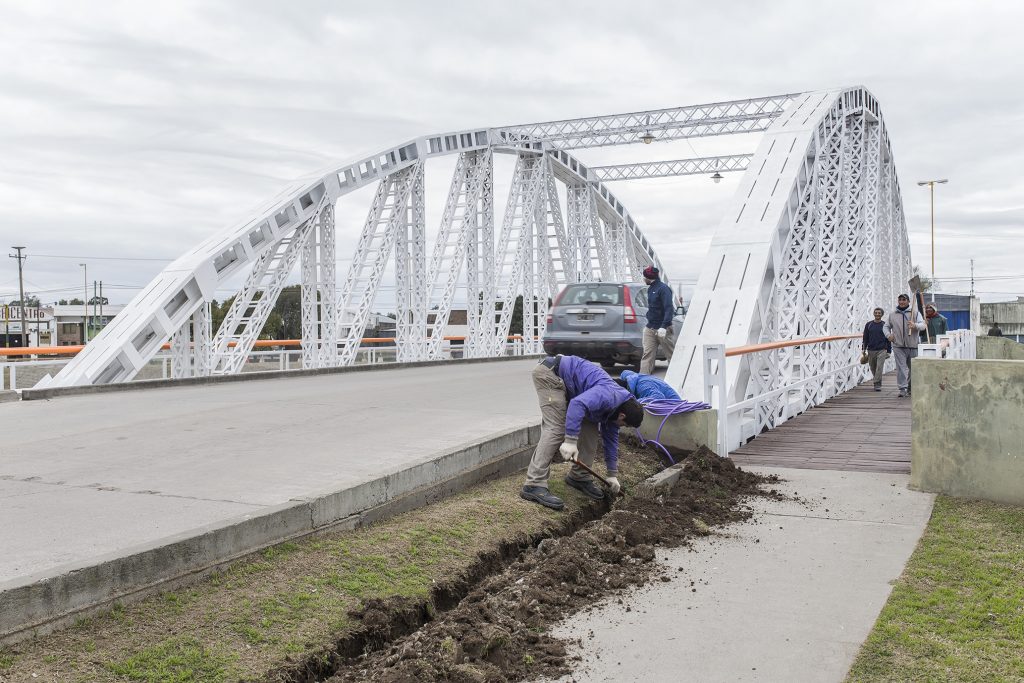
(578, 402)
(877, 346)
(658, 333)
(903, 328)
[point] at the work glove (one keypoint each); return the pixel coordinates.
(568, 450)
(662, 332)
(613, 485)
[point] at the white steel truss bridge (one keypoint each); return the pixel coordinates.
(813, 239)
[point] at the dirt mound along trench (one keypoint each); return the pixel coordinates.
(498, 632)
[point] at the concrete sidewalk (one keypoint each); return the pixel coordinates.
(789, 596)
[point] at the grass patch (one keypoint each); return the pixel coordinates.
(957, 612)
(177, 660)
(295, 598)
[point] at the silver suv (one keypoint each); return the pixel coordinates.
(601, 321)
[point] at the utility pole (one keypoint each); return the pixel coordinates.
(85, 312)
(972, 277)
(21, 293)
(101, 304)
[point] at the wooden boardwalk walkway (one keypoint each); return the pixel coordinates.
(861, 430)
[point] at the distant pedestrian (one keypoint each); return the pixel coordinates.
(902, 329)
(646, 386)
(877, 346)
(994, 331)
(937, 324)
(658, 333)
(578, 403)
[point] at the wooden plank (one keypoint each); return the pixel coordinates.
(861, 430)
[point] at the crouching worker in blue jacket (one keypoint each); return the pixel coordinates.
(646, 386)
(578, 402)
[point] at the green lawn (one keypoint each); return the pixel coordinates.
(957, 613)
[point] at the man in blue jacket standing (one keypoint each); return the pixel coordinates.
(578, 403)
(658, 332)
(646, 386)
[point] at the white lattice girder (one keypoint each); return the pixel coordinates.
(796, 256)
(718, 118)
(668, 169)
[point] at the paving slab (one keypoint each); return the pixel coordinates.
(85, 476)
(788, 596)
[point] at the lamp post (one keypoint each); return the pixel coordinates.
(931, 189)
(85, 306)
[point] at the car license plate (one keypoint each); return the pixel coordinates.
(584, 316)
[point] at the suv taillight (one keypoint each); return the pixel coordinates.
(628, 314)
(551, 315)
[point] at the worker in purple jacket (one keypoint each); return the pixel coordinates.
(578, 402)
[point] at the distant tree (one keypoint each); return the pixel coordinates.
(31, 301)
(76, 302)
(62, 302)
(99, 301)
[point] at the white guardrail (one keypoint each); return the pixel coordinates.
(955, 345)
(740, 421)
(31, 370)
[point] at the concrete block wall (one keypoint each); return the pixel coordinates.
(968, 429)
(999, 348)
(688, 431)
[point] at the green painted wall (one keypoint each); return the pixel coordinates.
(968, 428)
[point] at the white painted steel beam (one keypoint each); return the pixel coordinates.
(667, 169)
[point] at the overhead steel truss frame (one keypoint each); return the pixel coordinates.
(814, 239)
(539, 247)
(667, 169)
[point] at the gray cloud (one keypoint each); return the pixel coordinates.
(137, 130)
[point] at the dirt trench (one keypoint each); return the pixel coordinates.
(492, 624)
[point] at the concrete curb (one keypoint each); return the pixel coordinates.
(36, 605)
(41, 394)
(660, 482)
(6, 396)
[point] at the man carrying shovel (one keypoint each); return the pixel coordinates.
(903, 328)
(578, 402)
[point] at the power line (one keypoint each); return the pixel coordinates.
(104, 258)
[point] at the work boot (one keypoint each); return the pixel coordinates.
(878, 386)
(588, 488)
(539, 494)
(902, 394)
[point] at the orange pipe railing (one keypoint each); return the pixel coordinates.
(260, 344)
(768, 346)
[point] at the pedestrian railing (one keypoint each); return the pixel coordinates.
(955, 345)
(26, 367)
(786, 394)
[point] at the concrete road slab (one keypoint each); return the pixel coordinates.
(788, 596)
(95, 473)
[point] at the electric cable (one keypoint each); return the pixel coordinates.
(666, 408)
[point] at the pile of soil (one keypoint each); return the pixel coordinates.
(498, 632)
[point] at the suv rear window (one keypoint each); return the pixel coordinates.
(591, 294)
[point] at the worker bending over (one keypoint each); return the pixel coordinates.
(578, 401)
(646, 386)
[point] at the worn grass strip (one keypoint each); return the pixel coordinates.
(294, 599)
(957, 612)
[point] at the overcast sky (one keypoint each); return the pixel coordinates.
(132, 131)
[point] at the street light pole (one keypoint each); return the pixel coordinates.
(931, 189)
(85, 312)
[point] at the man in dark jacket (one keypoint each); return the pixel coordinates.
(937, 324)
(877, 346)
(658, 332)
(578, 403)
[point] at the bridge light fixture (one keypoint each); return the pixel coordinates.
(717, 177)
(647, 137)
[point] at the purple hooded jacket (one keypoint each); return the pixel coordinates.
(593, 396)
